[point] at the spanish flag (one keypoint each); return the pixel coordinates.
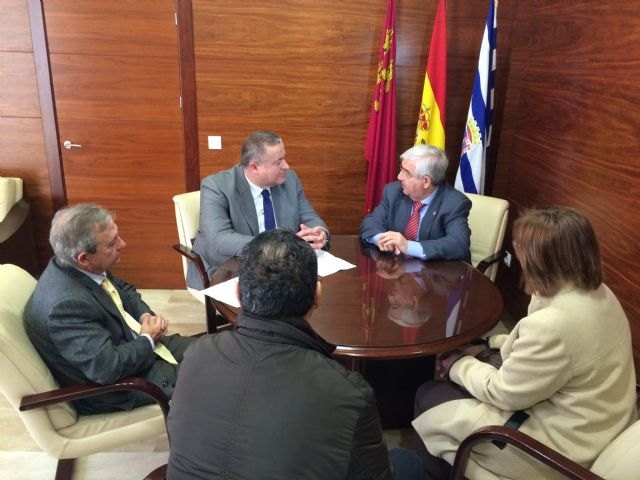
(431, 119)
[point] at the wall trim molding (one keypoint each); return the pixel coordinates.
(186, 56)
(47, 104)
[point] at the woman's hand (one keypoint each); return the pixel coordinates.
(445, 360)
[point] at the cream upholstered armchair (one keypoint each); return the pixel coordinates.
(187, 206)
(620, 460)
(488, 222)
(45, 408)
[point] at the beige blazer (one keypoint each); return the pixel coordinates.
(568, 364)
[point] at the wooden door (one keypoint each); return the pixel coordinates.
(116, 83)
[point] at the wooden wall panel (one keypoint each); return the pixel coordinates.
(18, 91)
(296, 32)
(141, 28)
(14, 26)
(569, 130)
(21, 140)
(104, 90)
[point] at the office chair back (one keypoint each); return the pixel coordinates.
(488, 223)
(24, 372)
(187, 206)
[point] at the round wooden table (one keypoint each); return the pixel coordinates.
(392, 307)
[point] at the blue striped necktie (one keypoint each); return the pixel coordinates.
(269, 216)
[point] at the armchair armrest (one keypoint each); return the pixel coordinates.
(490, 260)
(522, 442)
(86, 390)
(214, 321)
(197, 261)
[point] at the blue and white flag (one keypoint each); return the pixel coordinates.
(477, 133)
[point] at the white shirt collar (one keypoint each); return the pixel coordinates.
(256, 191)
(96, 277)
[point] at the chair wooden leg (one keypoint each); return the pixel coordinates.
(64, 471)
(215, 321)
(212, 326)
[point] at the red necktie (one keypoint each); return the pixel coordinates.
(411, 230)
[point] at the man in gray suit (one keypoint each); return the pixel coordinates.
(234, 207)
(439, 213)
(76, 315)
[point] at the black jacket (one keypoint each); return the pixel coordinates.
(267, 401)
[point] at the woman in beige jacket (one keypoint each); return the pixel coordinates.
(567, 376)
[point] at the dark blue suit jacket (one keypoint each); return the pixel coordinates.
(444, 232)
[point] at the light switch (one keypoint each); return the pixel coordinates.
(215, 142)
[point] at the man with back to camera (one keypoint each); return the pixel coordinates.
(419, 215)
(75, 318)
(267, 400)
(260, 193)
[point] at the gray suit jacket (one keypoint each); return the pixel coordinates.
(444, 232)
(80, 335)
(228, 219)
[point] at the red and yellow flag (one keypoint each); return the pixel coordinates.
(431, 119)
(380, 145)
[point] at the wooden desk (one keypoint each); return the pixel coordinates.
(383, 311)
(389, 317)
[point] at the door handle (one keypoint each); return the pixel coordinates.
(68, 145)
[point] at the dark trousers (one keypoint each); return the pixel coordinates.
(164, 374)
(407, 465)
(429, 395)
(434, 393)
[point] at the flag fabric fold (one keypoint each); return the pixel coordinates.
(380, 145)
(477, 134)
(431, 118)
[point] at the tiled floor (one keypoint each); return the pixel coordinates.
(21, 459)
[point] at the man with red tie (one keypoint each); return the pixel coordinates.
(419, 215)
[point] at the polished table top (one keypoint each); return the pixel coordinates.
(391, 307)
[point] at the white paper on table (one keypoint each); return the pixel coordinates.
(328, 264)
(225, 292)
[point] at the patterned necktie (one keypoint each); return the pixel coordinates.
(269, 216)
(411, 230)
(160, 350)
